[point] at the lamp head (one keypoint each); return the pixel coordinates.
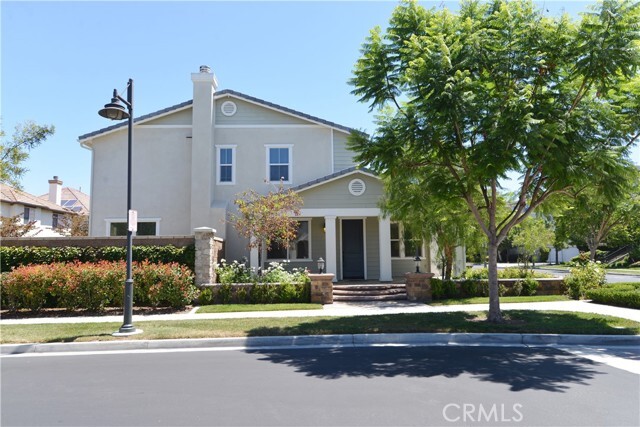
(114, 110)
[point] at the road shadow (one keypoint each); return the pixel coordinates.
(521, 368)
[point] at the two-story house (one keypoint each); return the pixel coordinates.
(191, 160)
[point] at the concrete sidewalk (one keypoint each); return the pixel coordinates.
(349, 309)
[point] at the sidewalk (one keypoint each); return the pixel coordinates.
(350, 309)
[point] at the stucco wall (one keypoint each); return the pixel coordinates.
(160, 179)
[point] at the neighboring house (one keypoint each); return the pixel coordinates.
(44, 213)
(70, 198)
(190, 161)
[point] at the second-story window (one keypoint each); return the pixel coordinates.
(226, 173)
(279, 163)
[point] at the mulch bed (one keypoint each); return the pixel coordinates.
(110, 311)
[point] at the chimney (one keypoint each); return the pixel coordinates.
(202, 135)
(55, 191)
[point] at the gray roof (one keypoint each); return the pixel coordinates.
(333, 176)
(217, 95)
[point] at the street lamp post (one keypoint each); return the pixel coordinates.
(116, 111)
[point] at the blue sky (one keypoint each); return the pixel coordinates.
(62, 60)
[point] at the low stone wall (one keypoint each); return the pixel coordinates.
(321, 288)
(418, 286)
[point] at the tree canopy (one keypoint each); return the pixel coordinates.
(14, 152)
(498, 88)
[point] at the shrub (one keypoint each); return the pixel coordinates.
(94, 286)
(506, 273)
(14, 256)
(205, 297)
(619, 294)
(529, 286)
(584, 277)
(233, 273)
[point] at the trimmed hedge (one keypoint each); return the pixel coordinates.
(625, 294)
(94, 286)
(15, 256)
(448, 289)
(256, 293)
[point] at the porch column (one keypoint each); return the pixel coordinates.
(330, 246)
(253, 258)
(384, 233)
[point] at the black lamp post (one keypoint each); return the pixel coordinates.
(116, 111)
(417, 260)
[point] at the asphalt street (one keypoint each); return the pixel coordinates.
(392, 386)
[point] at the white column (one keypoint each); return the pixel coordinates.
(384, 233)
(253, 258)
(330, 246)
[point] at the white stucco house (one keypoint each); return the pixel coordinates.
(44, 212)
(191, 159)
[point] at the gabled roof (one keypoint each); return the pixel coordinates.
(332, 177)
(15, 196)
(220, 94)
(81, 199)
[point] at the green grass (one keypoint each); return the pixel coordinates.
(517, 321)
(485, 300)
(230, 308)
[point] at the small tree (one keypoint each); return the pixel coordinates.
(15, 152)
(74, 225)
(13, 226)
(530, 236)
(267, 220)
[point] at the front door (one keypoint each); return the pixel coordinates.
(352, 249)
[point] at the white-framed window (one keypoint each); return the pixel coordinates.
(226, 168)
(299, 249)
(146, 227)
(279, 163)
(403, 244)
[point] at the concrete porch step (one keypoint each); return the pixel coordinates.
(369, 292)
(395, 297)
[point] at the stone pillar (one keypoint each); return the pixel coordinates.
(205, 256)
(418, 286)
(331, 263)
(321, 288)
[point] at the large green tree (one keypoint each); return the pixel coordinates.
(496, 89)
(15, 151)
(592, 216)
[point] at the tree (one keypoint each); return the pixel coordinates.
(531, 236)
(15, 152)
(593, 216)
(449, 222)
(267, 220)
(74, 225)
(467, 98)
(13, 226)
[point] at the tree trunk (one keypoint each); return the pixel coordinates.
(495, 315)
(593, 246)
(448, 254)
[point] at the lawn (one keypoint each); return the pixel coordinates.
(485, 300)
(229, 308)
(517, 321)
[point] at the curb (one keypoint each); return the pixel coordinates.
(324, 341)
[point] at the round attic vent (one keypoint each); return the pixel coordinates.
(228, 108)
(357, 187)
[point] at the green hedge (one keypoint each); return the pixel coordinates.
(16, 256)
(625, 294)
(448, 289)
(256, 293)
(94, 286)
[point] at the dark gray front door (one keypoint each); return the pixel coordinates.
(352, 249)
